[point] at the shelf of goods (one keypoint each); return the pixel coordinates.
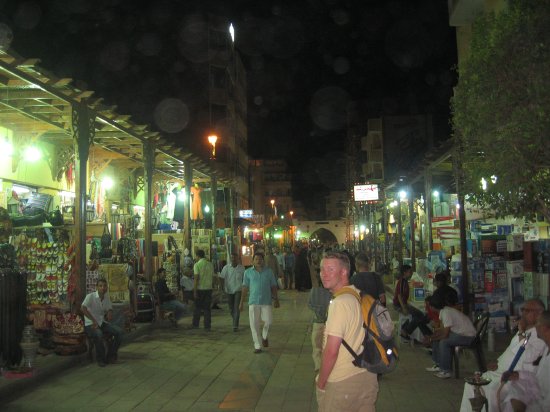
(48, 268)
(201, 239)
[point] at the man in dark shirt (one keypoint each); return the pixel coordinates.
(400, 302)
(167, 300)
(444, 292)
(368, 283)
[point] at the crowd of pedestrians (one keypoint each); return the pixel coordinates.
(337, 317)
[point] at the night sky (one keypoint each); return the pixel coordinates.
(305, 61)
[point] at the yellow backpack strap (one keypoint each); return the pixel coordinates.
(348, 291)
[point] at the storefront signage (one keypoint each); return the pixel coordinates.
(247, 213)
(365, 193)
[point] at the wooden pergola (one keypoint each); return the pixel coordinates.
(39, 106)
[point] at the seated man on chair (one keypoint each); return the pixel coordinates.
(167, 300)
(456, 330)
(528, 391)
(98, 313)
(529, 361)
(400, 302)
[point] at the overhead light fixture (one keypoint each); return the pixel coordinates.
(32, 154)
(483, 183)
(107, 183)
(20, 189)
(6, 149)
(232, 32)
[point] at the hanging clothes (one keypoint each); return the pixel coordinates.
(171, 202)
(196, 205)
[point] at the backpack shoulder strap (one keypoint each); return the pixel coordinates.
(348, 291)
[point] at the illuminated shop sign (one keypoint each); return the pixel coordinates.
(245, 213)
(365, 193)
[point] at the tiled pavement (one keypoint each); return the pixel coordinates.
(178, 369)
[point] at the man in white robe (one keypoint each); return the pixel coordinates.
(527, 391)
(530, 312)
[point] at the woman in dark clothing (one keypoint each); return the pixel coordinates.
(302, 276)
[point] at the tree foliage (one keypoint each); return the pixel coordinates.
(501, 111)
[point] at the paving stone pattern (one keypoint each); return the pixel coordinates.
(195, 370)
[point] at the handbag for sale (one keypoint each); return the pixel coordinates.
(55, 217)
(106, 251)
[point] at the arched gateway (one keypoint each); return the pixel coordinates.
(326, 231)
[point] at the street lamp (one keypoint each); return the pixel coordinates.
(272, 201)
(291, 228)
(213, 139)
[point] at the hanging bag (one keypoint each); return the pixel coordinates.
(106, 251)
(55, 217)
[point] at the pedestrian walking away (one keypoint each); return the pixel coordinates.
(204, 275)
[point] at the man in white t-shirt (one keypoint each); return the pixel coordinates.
(232, 275)
(98, 312)
(456, 330)
(342, 386)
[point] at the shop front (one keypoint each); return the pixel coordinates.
(85, 193)
(495, 264)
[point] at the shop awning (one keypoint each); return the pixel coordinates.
(37, 105)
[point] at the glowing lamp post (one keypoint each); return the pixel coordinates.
(291, 228)
(272, 201)
(212, 139)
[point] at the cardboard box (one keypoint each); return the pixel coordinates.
(514, 268)
(502, 246)
(514, 242)
(419, 294)
(498, 324)
(504, 229)
(489, 281)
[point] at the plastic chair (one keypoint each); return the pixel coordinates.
(481, 325)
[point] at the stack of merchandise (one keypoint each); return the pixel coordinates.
(48, 267)
(68, 334)
(171, 275)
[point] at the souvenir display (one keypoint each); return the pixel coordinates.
(48, 268)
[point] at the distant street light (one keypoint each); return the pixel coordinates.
(213, 139)
(273, 213)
